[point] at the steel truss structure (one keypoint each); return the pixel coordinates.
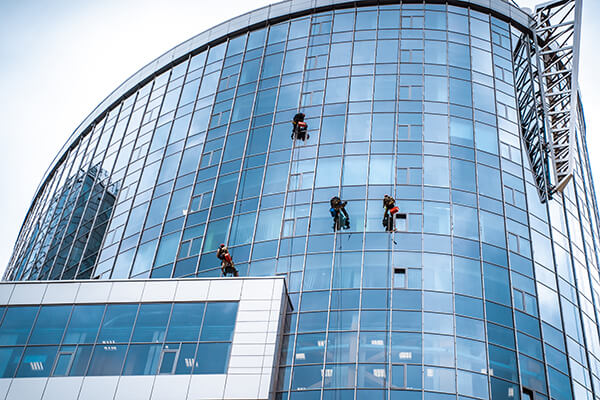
(531, 113)
(558, 31)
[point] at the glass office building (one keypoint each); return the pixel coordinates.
(487, 289)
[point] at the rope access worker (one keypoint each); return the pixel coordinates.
(389, 204)
(226, 261)
(299, 127)
(339, 213)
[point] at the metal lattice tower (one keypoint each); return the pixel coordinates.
(558, 31)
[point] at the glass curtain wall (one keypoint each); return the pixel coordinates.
(483, 292)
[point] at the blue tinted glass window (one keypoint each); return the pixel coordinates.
(496, 284)
(219, 321)
(9, 359)
(343, 22)
(310, 348)
(458, 55)
(212, 358)
(186, 358)
(340, 54)
(438, 350)
(503, 363)
(37, 361)
(307, 377)
(472, 384)
(364, 52)
(185, 322)
(440, 379)
(142, 359)
(118, 323)
(81, 360)
(151, 323)
(387, 51)
(50, 325)
(406, 321)
(341, 347)
(107, 359)
(63, 361)
(465, 222)
(17, 324)
(470, 355)
(436, 88)
(460, 92)
(461, 131)
(463, 176)
(406, 347)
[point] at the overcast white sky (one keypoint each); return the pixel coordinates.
(60, 58)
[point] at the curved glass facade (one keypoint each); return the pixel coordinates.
(483, 291)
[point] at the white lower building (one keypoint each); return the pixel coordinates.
(187, 339)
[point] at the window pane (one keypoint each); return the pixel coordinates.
(17, 324)
(406, 347)
(186, 359)
(50, 325)
(142, 359)
(168, 361)
(185, 322)
(81, 361)
(219, 321)
(151, 323)
(441, 379)
(438, 350)
(84, 324)
(107, 360)
(212, 358)
(9, 358)
(63, 361)
(118, 323)
(37, 361)
(470, 355)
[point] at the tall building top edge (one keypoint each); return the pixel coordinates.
(263, 16)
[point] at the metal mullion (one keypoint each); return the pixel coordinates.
(153, 188)
(252, 240)
(174, 179)
(307, 235)
(109, 220)
(480, 242)
(75, 194)
(201, 251)
(25, 345)
(535, 280)
(37, 217)
(246, 141)
(34, 218)
(75, 234)
(390, 311)
(574, 283)
(450, 188)
(422, 202)
(194, 102)
(93, 220)
(53, 192)
(389, 289)
(541, 338)
(333, 263)
(293, 150)
(585, 253)
(105, 191)
(53, 216)
(362, 255)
